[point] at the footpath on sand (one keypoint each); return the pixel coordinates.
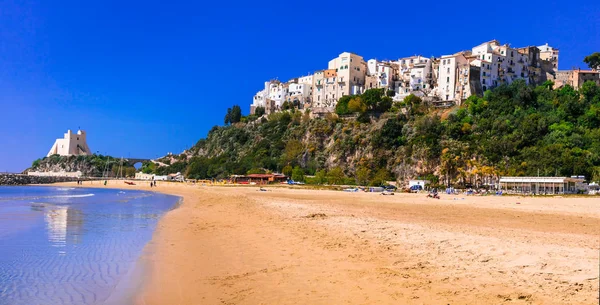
(236, 245)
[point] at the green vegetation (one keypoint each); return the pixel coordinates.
(513, 130)
(593, 60)
(234, 115)
(373, 100)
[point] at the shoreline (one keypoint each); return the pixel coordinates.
(239, 246)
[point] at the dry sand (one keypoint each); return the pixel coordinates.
(237, 245)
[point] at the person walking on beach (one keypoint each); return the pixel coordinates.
(151, 184)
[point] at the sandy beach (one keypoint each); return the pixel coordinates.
(237, 245)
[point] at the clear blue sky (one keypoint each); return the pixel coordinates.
(144, 78)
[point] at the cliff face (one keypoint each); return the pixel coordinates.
(387, 142)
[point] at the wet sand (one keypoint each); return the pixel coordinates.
(237, 245)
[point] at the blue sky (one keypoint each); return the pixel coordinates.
(144, 78)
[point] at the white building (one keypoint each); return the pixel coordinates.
(70, 145)
(350, 70)
(299, 94)
(271, 97)
(550, 54)
(415, 76)
(380, 74)
(447, 77)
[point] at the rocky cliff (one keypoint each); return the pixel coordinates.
(89, 166)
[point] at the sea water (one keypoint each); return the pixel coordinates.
(73, 245)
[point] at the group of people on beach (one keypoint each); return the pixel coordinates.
(79, 182)
(152, 183)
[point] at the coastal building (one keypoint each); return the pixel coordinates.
(258, 178)
(318, 92)
(447, 77)
(538, 70)
(299, 94)
(71, 145)
(271, 97)
(443, 81)
(576, 77)
(542, 185)
(549, 54)
(415, 76)
(350, 70)
(381, 75)
(325, 89)
(143, 176)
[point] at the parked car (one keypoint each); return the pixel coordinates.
(416, 188)
(389, 188)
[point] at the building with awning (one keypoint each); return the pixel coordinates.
(258, 178)
(542, 185)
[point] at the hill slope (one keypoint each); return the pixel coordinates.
(513, 130)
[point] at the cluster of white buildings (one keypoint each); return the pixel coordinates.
(446, 80)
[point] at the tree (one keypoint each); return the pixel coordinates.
(287, 170)
(236, 114)
(293, 149)
(259, 111)
(413, 103)
(336, 176)
(385, 104)
(357, 105)
(362, 176)
(256, 171)
(227, 119)
(341, 107)
(321, 176)
(380, 177)
(593, 60)
(372, 97)
(297, 174)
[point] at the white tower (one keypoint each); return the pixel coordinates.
(71, 145)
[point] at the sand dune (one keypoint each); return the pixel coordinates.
(229, 245)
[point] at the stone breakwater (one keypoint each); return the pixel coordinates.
(17, 179)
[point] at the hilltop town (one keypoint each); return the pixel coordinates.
(444, 81)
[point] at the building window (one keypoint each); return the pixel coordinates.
(483, 81)
(448, 79)
(483, 73)
(448, 70)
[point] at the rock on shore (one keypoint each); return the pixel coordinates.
(18, 179)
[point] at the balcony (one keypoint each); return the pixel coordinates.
(340, 80)
(521, 61)
(510, 71)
